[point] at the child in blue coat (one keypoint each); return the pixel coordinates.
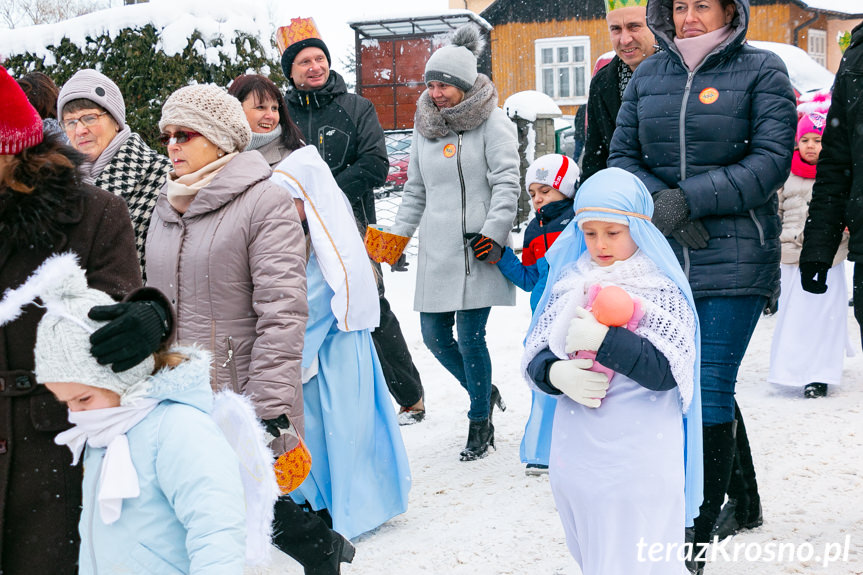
(162, 487)
(550, 180)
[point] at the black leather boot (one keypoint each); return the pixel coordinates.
(480, 435)
(497, 400)
(743, 508)
(718, 460)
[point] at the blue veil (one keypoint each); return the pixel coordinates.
(618, 194)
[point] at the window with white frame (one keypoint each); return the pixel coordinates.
(817, 46)
(562, 68)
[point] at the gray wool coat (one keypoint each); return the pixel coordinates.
(457, 184)
(234, 267)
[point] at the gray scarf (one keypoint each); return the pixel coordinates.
(478, 103)
(91, 170)
(261, 140)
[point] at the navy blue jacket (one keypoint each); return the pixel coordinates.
(724, 135)
(530, 273)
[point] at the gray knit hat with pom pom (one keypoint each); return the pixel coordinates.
(62, 353)
(455, 64)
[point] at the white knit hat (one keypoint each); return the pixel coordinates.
(555, 170)
(210, 111)
(62, 350)
(91, 85)
(455, 64)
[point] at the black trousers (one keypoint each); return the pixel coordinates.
(858, 295)
(402, 377)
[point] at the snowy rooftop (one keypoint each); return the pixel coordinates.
(850, 7)
(176, 18)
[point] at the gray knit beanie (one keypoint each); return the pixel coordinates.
(455, 64)
(62, 350)
(210, 111)
(97, 87)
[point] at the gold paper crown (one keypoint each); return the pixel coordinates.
(615, 4)
(299, 29)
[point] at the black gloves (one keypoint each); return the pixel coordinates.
(275, 426)
(670, 210)
(485, 249)
(135, 331)
(401, 264)
(692, 235)
(813, 276)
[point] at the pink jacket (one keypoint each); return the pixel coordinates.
(233, 267)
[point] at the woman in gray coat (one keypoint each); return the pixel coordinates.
(462, 188)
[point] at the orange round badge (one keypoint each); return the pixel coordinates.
(449, 150)
(708, 95)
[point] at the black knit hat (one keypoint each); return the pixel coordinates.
(291, 52)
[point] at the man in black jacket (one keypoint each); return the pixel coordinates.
(837, 198)
(633, 42)
(346, 130)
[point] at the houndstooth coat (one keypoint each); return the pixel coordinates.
(136, 173)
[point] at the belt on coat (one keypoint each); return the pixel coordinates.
(17, 382)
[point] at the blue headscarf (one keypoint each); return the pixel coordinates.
(615, 194)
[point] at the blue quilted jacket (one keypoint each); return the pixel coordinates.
(724, 135)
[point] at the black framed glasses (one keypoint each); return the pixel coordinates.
(86, 120)
(178, 137)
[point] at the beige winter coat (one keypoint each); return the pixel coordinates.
(794, 200)
(233, 266)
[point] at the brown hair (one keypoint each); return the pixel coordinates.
(170, 359)
(42, 93)
(263, 88)
(79, 104)
(49, 159)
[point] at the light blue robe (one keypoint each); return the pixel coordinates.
(360, 470)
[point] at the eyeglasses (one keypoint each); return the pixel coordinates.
(86, 121)
(178, 137)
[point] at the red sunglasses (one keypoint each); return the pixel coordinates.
(178, 137)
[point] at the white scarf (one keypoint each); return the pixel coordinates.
(92, 170)
(107, 427)
(668, 322)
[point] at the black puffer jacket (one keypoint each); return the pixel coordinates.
(837, 198)
(724, 135)
(346, 130)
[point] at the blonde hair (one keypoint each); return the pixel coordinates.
(170, 359)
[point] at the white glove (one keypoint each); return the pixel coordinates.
(571, 376)
(585, 333)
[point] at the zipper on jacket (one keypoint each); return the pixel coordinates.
(463, 209)
(232, 365)
(682, 124)
(757, 225)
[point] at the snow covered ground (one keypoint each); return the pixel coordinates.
(487, 518)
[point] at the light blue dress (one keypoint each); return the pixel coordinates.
(360, 470)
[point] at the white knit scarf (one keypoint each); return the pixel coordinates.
(668, 322)
(107, 427)
(183, 189)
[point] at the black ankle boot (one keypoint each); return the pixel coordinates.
(480, 435)
(497, 400)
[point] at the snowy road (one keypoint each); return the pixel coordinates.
(488, 518)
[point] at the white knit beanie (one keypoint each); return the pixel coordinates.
(210, 111)
(555, 170)
(91, 85)
(455, 64)
(62, 350)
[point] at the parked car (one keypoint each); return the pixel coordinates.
(398, 144)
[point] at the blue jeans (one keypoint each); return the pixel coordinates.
(467, 359)
(727, 323)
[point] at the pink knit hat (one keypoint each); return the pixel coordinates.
(813, 122)
(20, 124)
